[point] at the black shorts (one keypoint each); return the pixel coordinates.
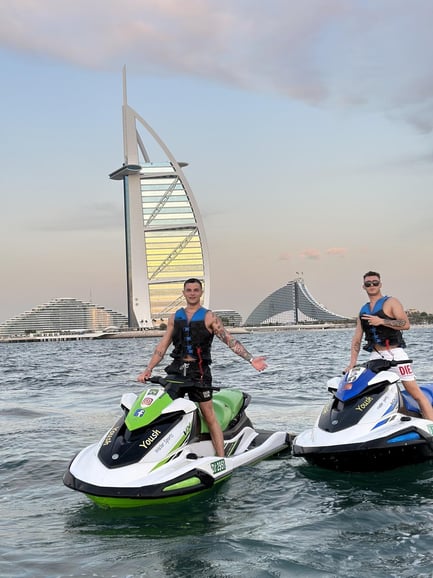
(199, 376)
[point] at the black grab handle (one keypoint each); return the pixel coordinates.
(377, 365)
(175, 382)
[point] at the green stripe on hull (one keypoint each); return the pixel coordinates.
(111, 502)
(184, 484)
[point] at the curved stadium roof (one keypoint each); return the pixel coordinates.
(293, 297)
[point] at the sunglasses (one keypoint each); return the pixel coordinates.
(372, 284)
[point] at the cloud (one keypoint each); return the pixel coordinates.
(315, 254)
(311, 254)
(333, 52)
(338, 251)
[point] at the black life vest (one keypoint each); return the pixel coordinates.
(381, 335)
(192, 339)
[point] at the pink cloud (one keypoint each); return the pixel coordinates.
(339, 251)
(311, 254)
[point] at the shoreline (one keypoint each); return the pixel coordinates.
(149, 333)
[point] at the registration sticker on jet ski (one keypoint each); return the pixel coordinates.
(219, 466)
(150, 397)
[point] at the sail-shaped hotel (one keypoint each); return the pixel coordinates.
(165, 239)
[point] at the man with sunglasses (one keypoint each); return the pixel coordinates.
(191, 330)
(382, 319)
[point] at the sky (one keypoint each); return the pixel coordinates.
(307, 127)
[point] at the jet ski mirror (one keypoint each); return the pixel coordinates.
(333, 384)
(128, 400)
(355, 373)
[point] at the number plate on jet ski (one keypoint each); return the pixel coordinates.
(218, 466)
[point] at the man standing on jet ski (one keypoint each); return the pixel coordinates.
(191, 331)
(382, 320)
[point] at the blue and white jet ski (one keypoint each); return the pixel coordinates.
(370, 424)
(160, 450)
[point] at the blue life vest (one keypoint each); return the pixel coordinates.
(192, 339)
(380, 335)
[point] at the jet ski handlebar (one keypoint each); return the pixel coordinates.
(377, 365)
(175, 383)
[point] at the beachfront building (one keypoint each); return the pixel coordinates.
(165, 240)
(229, 317)
(63, 315)
(292, 304)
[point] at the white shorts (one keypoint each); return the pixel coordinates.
(403, 370)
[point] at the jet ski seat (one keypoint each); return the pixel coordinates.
(227, 403)
(411, 404)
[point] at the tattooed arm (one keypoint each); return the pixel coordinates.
(393, 308)
(216, 326)
(395, 323)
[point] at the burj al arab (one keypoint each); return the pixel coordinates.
(164, 233)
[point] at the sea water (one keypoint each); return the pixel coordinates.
(278, 518)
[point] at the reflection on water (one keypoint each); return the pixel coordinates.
(154, 522)
(404, 486)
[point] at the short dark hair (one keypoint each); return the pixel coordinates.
(193, 280)
(371, 274)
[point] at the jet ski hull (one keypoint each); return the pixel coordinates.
(386, 453)
(370, 423)
(182, 476)
(178, 489)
